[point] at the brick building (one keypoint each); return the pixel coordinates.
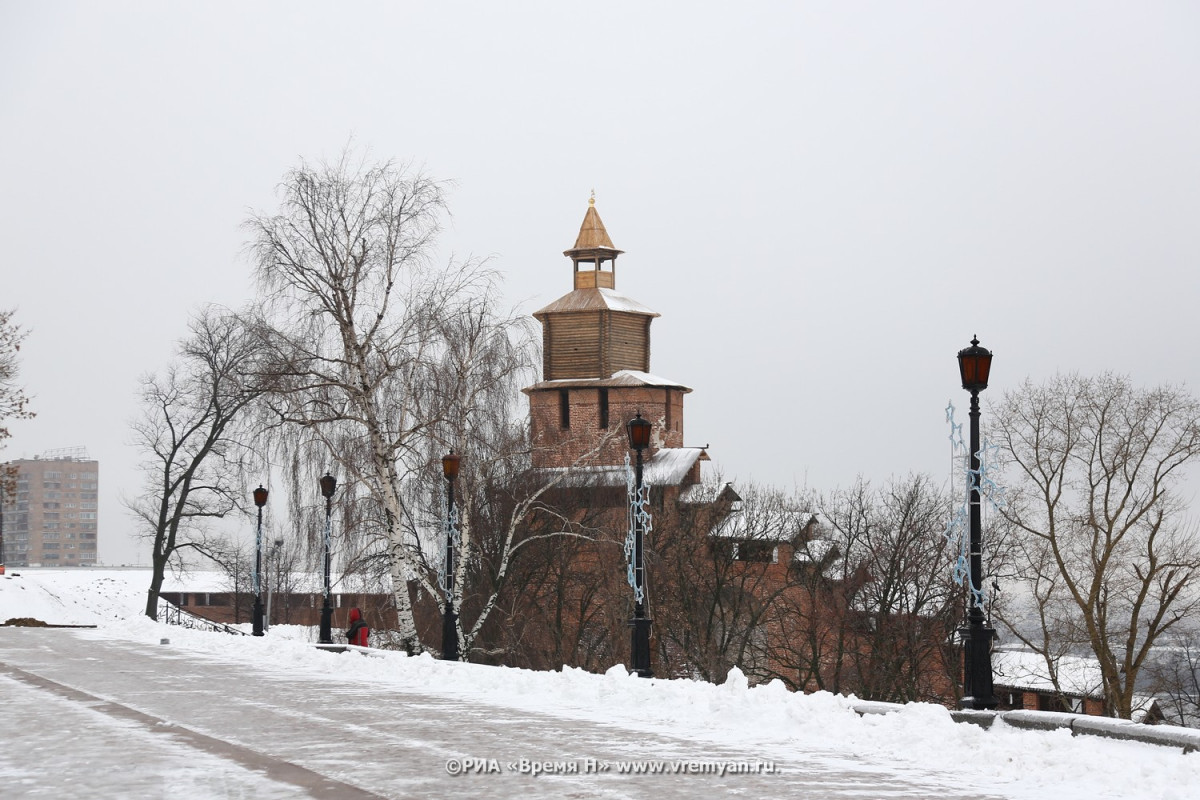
(596, 374)
(729, 582)
(1022, 681)
(573, 605)
(51, 519)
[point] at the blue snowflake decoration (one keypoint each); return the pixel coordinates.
(639, 513)
(450, 534)
(958, 533)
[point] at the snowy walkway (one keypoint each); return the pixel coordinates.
(91, 717)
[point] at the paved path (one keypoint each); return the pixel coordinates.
(87, 717)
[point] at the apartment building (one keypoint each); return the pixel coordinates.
(50, 516)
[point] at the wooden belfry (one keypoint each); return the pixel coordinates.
(594, 331)
(593, 249)
(596, 362)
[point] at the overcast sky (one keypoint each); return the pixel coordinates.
(823, 200)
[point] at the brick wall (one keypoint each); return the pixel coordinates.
(558, 446)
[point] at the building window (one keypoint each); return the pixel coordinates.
(753, 550)
(564, 408)
(604, 409)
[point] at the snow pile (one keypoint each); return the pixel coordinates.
(766, 722)
(89, 596)
(72, 597)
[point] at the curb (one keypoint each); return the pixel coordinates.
(1187, 740)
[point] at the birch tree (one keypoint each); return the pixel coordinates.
(1093, 468)
(362, 326)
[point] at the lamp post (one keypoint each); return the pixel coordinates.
(450, 464)
(974, 365)
(260, 500)
(639, 440)
(328, 485)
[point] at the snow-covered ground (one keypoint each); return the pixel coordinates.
(919, 745)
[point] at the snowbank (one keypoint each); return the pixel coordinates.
(763, 722)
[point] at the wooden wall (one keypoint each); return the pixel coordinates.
(594, 344)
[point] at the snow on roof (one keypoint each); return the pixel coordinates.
(624, 377)
(777, 526)
(1078, 676)
(814, 551)
(667, 467)
(1022, 669)
(633, 377)
(712, 487)
(598, 299)
(670, 465)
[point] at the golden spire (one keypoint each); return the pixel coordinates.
(592, 234)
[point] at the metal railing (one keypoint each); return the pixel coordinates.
(172, 614)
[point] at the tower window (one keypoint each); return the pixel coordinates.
(604, 409)
(564, 408)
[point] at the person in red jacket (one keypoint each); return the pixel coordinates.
(358, 632)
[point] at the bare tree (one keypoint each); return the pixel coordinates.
(14, 404)
(559, 602)
(1111, 560)
(190, 456)
(487, 354)
(717, 576)
(871, 602)
(907, 607)
(367, 335)
(1174, 675)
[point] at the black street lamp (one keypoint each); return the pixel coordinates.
(328, 485)
(450, 464)
(260, 500)
(639, 440)
(974, 365)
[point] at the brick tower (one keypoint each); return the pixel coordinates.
(596, 366)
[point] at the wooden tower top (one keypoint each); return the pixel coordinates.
(594, 249)
(594, 331)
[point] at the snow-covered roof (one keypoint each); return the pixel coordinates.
(667, 467)
(1023, 669)
(598, 299)
(710, 488)
(624, 377)
(814, 551)
(1078, 676)
(777, 526)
